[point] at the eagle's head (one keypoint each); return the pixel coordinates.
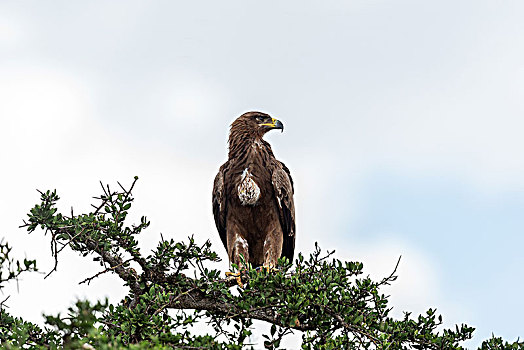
(255, 124)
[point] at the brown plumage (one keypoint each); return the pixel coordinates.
(253, 196)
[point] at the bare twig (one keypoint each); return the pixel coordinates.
(54, 253)
(391, 277)
(3, 301)
(112, 268)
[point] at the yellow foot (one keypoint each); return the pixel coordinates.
(267, 268)
(235, 275)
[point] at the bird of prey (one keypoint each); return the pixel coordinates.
(253, 196)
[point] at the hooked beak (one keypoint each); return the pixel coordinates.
(275, 124)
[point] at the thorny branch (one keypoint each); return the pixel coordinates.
(104, 235)
(89, 279)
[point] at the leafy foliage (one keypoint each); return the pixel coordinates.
(330, 302)
(10, 269)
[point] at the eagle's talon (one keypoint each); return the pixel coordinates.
(239, 282)
(267, 269)
(235, 276)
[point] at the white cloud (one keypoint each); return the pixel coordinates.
(66, 148)
(432, 101)
(419, 285)
(188, 105)
(13, 30)
(54, 141)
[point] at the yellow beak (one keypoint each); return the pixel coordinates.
(275, 124)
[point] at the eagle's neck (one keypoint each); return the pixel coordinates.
(243, 143)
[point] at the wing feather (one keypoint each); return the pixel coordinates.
(283, 189)
(219, 204)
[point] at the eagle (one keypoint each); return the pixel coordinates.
(253, 196)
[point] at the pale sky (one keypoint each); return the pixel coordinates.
(403, 133)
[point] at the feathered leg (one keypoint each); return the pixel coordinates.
(272, 250)
(237, 246)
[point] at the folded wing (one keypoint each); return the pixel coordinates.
(283, 189)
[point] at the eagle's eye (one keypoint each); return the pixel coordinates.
(260, 119)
